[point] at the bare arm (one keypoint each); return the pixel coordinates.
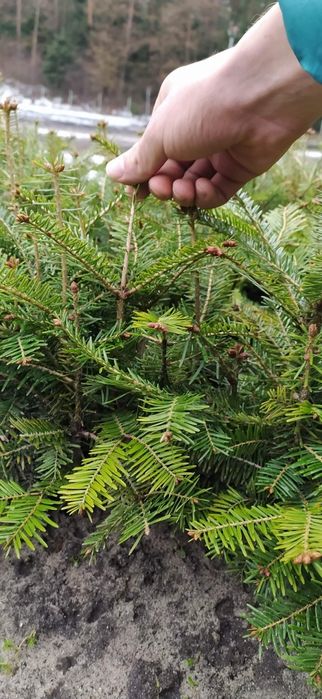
(219, 123)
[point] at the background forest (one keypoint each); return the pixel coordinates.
(114, 50)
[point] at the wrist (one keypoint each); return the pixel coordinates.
(272, 85)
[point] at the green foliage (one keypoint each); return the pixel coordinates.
(134, 395)
(13, 651)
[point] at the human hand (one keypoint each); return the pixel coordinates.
(220, 122)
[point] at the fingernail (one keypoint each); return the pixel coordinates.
(115, 169)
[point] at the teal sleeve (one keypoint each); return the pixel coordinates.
(303, 23)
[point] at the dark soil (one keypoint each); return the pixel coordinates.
(164, 623)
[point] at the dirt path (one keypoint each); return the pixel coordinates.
(162, 624)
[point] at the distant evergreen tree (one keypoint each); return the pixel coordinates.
(116, 49)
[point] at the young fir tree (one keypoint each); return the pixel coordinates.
(162, 365)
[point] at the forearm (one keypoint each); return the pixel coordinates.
(271, 69)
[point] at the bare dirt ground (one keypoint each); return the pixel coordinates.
(164, 623)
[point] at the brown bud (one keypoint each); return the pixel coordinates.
(12, 262)
(307, 557)
(71, 316)
(9, 316)
(264, 571)
(9, 105)
(243, 356)
(229, 244)
(304, 394)
(237, 351)
(25, 361)
(126, 335)
(166, 437)
(194, 328)
(315, 555)
(213, 250)
(313, 330)
(47, 166)
(22, 217)
(235, 307)
(195, 535)
(59, 167)
(74, 287)
(57, 322)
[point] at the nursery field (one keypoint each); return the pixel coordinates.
(164, 623)
(160, 400)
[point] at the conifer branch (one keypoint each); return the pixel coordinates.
(128, 245)
(193, 237)
(55, 170)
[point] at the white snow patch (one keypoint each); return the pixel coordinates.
(313, 153)
(97, 159)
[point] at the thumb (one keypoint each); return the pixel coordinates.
(142, 161)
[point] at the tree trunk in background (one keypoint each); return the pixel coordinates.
(56, 14)
(188, 39)
(18, 20)
(127, 45)
(35, 34)
(90, 13)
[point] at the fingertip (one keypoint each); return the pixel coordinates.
(184, 192)
(115, 168)
(207, 195)
(161, 186)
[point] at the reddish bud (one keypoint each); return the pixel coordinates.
(158, 326)
(166, 437)
(74, 287)
(237, 351)
(313, 330)
(264, 571)
(229, 244)
(213, 250)
(12, 262)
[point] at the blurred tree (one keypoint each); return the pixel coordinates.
(90, 12)
(115, 50)
(35, 36)
(18, 21)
